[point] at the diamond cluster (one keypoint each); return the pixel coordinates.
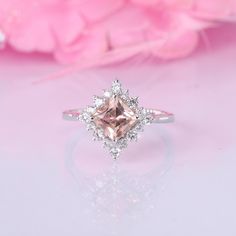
(115, 118)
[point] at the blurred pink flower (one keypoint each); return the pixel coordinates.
(98, 31)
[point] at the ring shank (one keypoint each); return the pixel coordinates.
(158, 115)
(72, 115)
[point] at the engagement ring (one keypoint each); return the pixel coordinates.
(116, 118)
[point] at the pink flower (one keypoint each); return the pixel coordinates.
(95, 31)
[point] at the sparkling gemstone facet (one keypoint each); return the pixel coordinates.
(115, 118)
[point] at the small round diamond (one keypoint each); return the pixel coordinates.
(132, 135)
(85, 117)
(115, 152)
(100, 133)
(116, 87)
(91, 109)
(98, 101)
(107, 94)
(91, 126)
(134, 102)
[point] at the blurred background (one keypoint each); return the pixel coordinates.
(176, 55)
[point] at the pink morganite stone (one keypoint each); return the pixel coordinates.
(115, 118)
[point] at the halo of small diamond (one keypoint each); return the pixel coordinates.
(144, 117)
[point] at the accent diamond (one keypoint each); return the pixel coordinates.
(98, 101)
(116, 87)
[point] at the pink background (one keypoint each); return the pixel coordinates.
(179, 179)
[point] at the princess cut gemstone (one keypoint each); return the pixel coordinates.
(115, 118)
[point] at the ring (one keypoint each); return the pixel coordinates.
(116, 118)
